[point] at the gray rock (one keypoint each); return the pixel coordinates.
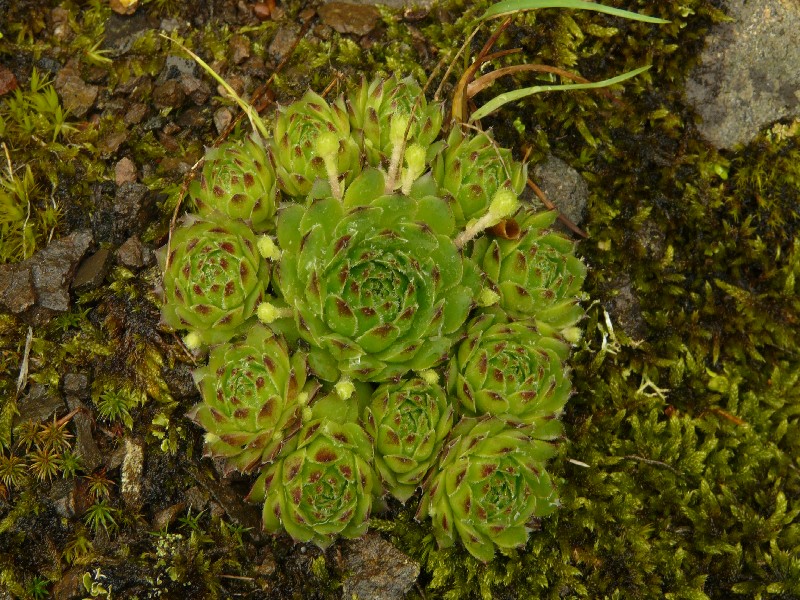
(378, 570)
(92, 271)
(398, 4)
(85, 446)
(130, 206)
(76, 384)
(564, 186)
(749, 74)
(175, 66)
(39, 285)
(131, 474)
(38, 405)
(283, 41)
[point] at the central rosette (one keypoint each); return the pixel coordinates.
(376, 291)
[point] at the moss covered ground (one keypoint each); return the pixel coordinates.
(679, 472)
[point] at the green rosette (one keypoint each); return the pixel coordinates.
(377, 288)
(214, 277)
(490, 482)
(408, 422)
(510, 370)
(321, 486)
(253, 395)
(472, 169)
(537, 274)
(238, 182)
(294, 150)
(375, 104)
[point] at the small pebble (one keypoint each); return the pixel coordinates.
(124, 171)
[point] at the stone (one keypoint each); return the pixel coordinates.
(136, 112)
(377, 570)
(39, 404)
(749, 72)
(222, 118)
(39, 285)
(17, 293)
(76, 385)
(130, 207)
(282, 42)
(124, 171)
(85, 446)
(8, 82)
(131, 254)
(240, 49)
(92, 271)
(345, 17)
(131, 475)
(563, 186)
(169, 94)
(77, 96)
(397, 4)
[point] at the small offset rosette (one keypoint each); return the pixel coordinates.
(214, 277)
(510, 370)
(253, 396)
(408, 422)
(321, 486)
(489, 483)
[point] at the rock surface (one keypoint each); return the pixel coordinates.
(345, 17)
(749, 75)
(378, 570)
(39, 286)
(563, 186)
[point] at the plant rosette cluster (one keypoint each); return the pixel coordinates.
(381, 316)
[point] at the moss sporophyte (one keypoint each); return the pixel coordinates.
(383, 314)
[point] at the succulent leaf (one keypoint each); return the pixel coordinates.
(472, 169)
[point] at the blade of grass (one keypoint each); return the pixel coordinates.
(247, 108)
(511, 96)
(507, 7)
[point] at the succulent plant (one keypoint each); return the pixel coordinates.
(375, 105)
(321, 486)
(214, 277)
(510, 370)
(396, 265)
(490, 482)
(408, 422)
(380, 288)
(253, 396)
(535, 273)
(295, 150)
(472, 169)
(237, 181)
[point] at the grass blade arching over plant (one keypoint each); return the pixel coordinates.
(508, 7)
(507, 97)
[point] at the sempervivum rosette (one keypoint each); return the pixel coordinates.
(510, 370)
(377, 289)
(295, 148)
(321, 486)
(214, 277)
(536, 274)
(472, 169)
(237, 181)
(374, 107)
(408, 422)
(490, 482)
(252, 398)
